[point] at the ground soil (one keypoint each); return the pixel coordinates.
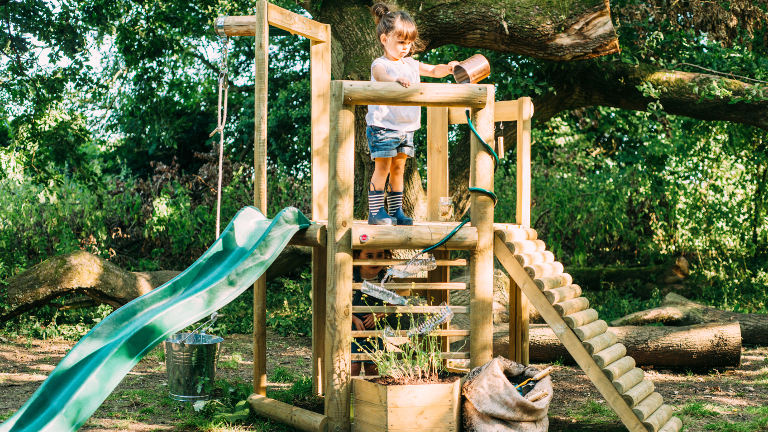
(141, 402)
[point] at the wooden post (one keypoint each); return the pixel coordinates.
(437, 186)
(481, 267)
(320, 70)
(261, 48)
(338, 325)
(518, 324)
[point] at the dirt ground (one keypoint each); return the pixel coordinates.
(720, 400)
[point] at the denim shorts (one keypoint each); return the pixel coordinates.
(387, 143)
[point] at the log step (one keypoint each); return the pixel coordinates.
(648, 406)
(582, 318)
(526, 246)
(658, 419)
(618, 368)
(552, 282)
(591, 330)
(419, 286)
(673, 425)
(629, 380)
(408, 309)
(531, 258)
(610, 355)
(510, 233)
(562, 294)
(542, 270)
(394, 262)
(572, 306)
(599, 343)
(636, 394)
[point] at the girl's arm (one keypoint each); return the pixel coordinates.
(381, 75)
(436, 71)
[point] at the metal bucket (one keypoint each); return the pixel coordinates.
(472, 70)
(191, 365)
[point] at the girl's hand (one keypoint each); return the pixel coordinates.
(370, 321)
(357, 323)
(451, 65)
(403, 82)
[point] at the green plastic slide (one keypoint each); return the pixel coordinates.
(97, 364)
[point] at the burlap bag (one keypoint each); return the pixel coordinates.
(492, 404)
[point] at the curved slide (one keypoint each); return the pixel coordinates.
(100, 360)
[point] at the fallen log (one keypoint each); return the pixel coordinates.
(76, 272)
(664, 274)
(703, 346)
(677, 310)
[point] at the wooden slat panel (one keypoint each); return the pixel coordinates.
(394, 262)
(445, 355)
(423, 94)
(408, 309)
(372, 333)
(419, 418)
(568, 338)
(420, 286)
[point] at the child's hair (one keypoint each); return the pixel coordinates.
(356, 253)
(389, 21)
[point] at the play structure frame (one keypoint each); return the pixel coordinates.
(335, 234)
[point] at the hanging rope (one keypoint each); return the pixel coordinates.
(222, 120)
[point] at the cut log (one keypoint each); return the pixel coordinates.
(637, 393)
(697, 347)
(618, 368)
(628, 380)
(572, 306)
(673, 425)
(677, 310)
(581, 318)
(552, 282)
(76, 272)
(665, 274)
(537, 271)
(648, 406)
(599, 343)
(562, 294)
(591, 330)
(610, 355)
(658, 419)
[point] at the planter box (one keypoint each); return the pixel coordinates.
(426, 407)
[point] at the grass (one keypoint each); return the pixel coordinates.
(282, 375)
(758, 422)
(233, 362)
(699, 410)
(593, 412)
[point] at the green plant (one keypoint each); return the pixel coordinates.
(282, 375)
(232, 362)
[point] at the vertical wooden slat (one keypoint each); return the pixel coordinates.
(338, 326)
(524, 111)
(481, 267)
(320, 70)
(260, 193)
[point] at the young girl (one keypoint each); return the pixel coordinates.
(366, 321)
(390, 128)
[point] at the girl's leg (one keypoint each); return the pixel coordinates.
(395, 196)
(377, 215)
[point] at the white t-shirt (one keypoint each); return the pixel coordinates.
(401, 118)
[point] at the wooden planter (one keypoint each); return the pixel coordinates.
(426, 407)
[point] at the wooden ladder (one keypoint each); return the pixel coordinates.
(596, 350)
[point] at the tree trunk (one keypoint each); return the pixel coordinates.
(677, 310)
(704, 346)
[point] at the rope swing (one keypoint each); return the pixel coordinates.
(222, 121)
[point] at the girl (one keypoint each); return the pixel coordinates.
(390, 128)
(363, 321)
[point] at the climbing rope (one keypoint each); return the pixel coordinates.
(222, 120)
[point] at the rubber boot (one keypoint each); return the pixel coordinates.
(395, 205)
(377, 215)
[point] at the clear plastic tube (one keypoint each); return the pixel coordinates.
(445, 314)
(413, 267)
(383, 294)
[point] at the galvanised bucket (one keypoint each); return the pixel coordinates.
(190, 360)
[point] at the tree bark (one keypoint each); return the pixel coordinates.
(677, 310)
(703, 346)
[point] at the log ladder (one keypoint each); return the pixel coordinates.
(584, 335)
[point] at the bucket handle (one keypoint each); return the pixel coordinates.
(207, 324)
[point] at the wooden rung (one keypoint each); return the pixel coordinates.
(610, 355)
(418, 236)
(417, 94)
(618, 368)
(599, 343)
(637, 393)
(516, 233)
(562, 294)
(394, 262)
(530, 258)
(591, 330)
(410, 280)
(658, 419)
(648, 406)
(525, 246)
(673, 425)
(542, 270)
(408, 309)
(581, 318)
(572, 306)
(629, 380)
(438, 332)
(552, 282)
(419, 286)
(445, 355)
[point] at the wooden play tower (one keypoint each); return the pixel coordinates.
(537, 278)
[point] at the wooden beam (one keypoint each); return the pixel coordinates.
(314, 236)
(290, 415)
(523, 202)
(437, 159)
(423, 94)
(481, 212)
(503, 111)
(261, 49)
(409, 309)
(374, 333)
(420, 286)
(320, 76)
(277, 17)
(393, 262)
(567, 337)
(418, 236)
(443, 355)
(338, 324)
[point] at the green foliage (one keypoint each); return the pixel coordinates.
(289, 305)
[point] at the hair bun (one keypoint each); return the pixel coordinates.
(379, 10)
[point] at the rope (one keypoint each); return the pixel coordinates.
(222, 121)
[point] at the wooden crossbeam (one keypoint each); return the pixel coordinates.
(408, 309)
(420, 286)
(422, 94)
